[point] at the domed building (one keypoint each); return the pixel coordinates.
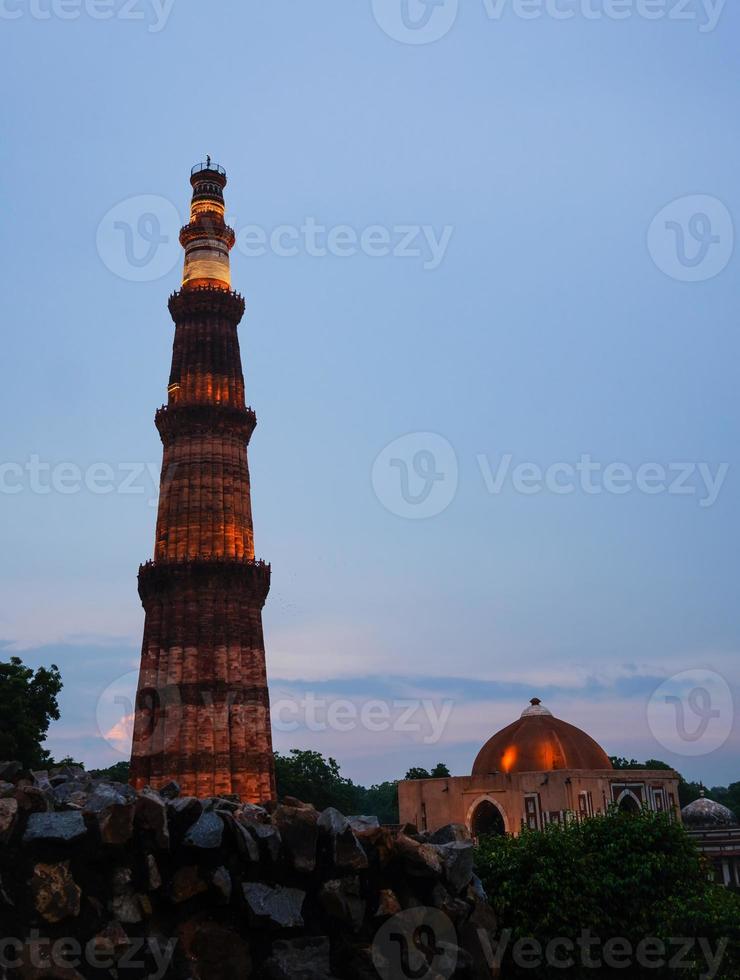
(716, 832)
(537, 771)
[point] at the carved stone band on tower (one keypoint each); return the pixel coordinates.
(202, 709)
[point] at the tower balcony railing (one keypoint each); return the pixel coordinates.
(207, 165)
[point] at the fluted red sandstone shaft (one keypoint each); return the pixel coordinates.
(202, 710)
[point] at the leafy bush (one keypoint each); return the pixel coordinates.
(617, 876)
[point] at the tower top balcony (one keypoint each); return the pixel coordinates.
(208, 167)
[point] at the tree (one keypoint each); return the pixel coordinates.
(119, 773)
(313, 779)
(621, 763)
(632, 877)
(440, 771)
(380, 801)
(28, 704)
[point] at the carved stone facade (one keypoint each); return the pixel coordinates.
(202, 710)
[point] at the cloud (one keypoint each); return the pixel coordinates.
(121, 734)
(339, 662)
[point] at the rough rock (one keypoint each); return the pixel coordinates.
(280, 906)
(267, 837)
(154, 877)
(125, 904)
(182, 813)
(107, 794)
(299, 832)
(476, 891)
(217, 952)
(250, 813)
(136, 864)
(170, 791)
(56, 895)
(9, 770)
(478, 938)
(418, 859)
(347, 852)
(111, 942)
(116, 824)
(342, 899)
(388, 903)
(206, 833)
(451, 834)
(308, 958)
(151, 815)
(245, 841)
(362, 824)
(8, 819)
(72, 794)
(222, 883)
(186, 884)
(31, 799)
(457, 860)
(65, 827)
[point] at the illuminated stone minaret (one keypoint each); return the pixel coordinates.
(202, 710)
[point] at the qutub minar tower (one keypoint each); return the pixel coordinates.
(202, 709)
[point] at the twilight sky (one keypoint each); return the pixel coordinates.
(492, 342)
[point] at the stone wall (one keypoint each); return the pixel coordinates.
(98, 880)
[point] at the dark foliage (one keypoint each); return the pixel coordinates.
(28, 703)
(620, 877)
(310, 777)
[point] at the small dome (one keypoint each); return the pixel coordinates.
(708, 813)
(536, 707)
(539, 742)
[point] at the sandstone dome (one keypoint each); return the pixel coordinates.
(539, 742)
(707, 813)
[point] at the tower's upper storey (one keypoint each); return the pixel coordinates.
(207, 240)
